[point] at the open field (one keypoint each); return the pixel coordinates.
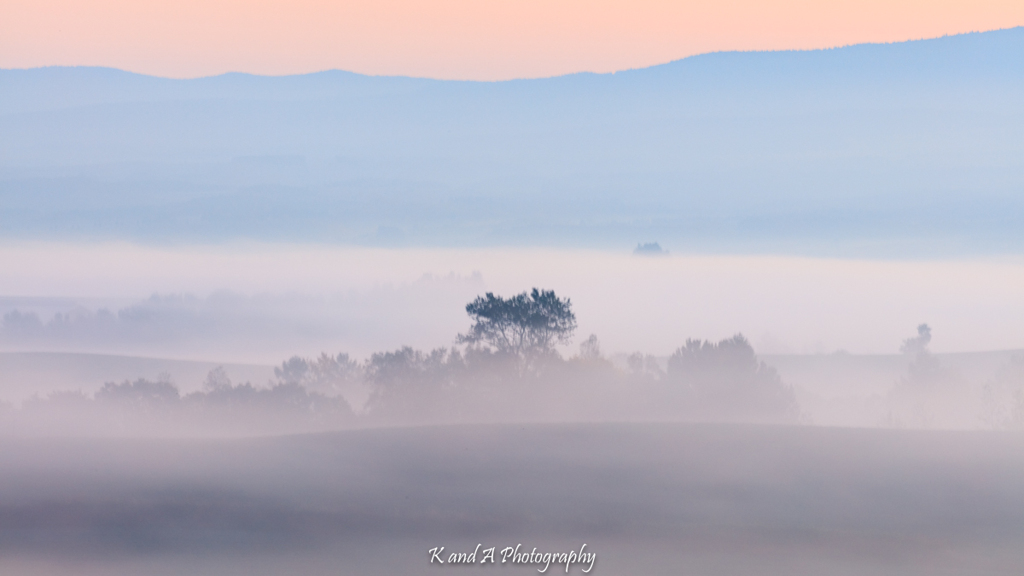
(647, 498)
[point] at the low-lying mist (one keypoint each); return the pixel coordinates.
(262, 416)
(366, 337)
(259, 303)
(701, 381)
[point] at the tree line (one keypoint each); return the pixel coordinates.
(506, 367)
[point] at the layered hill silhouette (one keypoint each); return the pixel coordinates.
(905, 148)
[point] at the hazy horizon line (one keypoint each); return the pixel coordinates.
(511, 79)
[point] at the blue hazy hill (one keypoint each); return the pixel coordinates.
(912, 147)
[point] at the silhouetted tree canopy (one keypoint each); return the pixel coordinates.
(924, 368)
(918, 345)
(411, 384)
(326, 374)
(525, 325)
(141, 394)
(590, 348)
(726, 380)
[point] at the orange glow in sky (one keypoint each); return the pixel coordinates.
(465, 39)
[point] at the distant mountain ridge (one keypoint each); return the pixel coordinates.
(883, 148)
(980, 54)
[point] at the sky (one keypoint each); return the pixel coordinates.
(455, 39)
(784, 304)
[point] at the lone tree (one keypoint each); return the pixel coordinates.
(526, 325)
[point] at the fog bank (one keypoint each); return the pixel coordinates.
(255, 303)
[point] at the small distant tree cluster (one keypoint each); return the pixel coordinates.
(918, 345)
(590, 348)
(1004, 396)
(929, 394)
(924, 369)
(726, 380)
(326, 374)
(411, 385)
(221, 407)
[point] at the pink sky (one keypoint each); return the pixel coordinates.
(466, 39)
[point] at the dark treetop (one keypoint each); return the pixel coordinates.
(526, 324)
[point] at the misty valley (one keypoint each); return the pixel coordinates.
(708, 461)
(506, 369)
(343, 324)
